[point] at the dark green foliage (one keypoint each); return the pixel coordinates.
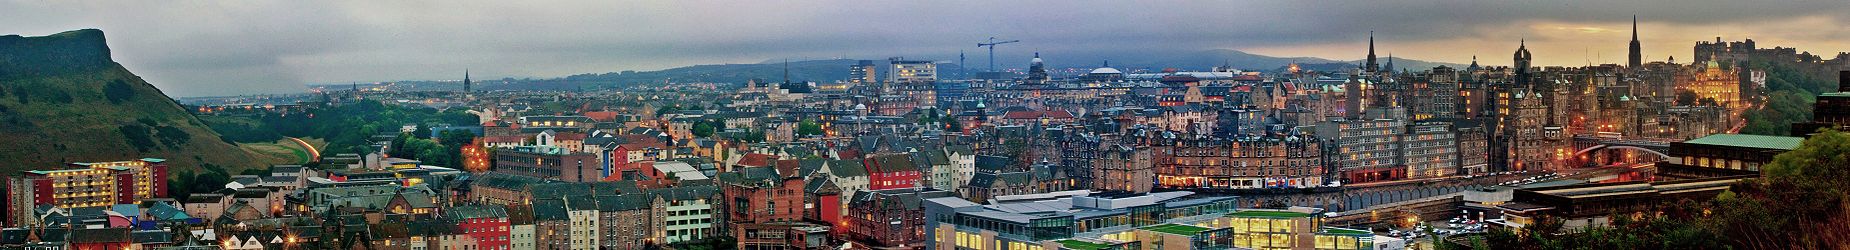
(186, 182)
(255, 171)
(446, 151)
(347, 127)
(22, 96)
(1798, 204)
(951, 124)
(1790, 93)
(707, 128)
(666, 110)
(1686, 97)
(423, 132)
(138, 136)
(59, 97)
(808, 128)
(745, 136)
(118, 91)
(172, 136)
(234, 129)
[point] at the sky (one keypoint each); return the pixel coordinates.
(209, 48)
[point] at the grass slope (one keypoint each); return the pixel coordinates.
(60, 102)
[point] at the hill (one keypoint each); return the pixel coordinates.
(63, 99)
(814, 70)
(826, 70)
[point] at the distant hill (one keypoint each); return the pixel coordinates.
(814, 71)
(1399, 64)
(62, 99)
(827, 70)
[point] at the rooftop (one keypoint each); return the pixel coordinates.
(1081, 245)
(1264, 213)
(1344, 231)
(1750, 141)
(1176, 229)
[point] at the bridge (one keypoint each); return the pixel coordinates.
(1585, 144)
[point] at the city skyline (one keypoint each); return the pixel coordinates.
(858, 126)
(276, 47)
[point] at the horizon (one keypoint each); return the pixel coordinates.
(219, 49)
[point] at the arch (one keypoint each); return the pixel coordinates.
(1653, 151)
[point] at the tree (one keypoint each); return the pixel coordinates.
(423, 132)
(118, 91)
(951, 124)
(702, 129)
(1687, 97)
(809, 127)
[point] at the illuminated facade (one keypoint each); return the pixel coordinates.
(912, 71)
(862, 72)
(1710, 81)
(1243, 164)
(91, 184)
(85, 184)
(1067, 220)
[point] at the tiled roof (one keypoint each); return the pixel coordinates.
(757, 160)
(549, 209)
(788, 168)
(892, 163)
(507, 182)
(685, 192)
(626, 202)
(476, 212)
(847, 168)
(809, 166)
(1750, 141)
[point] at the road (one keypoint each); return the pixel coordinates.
(313, 154)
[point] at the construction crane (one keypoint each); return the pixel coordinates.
(992, 50)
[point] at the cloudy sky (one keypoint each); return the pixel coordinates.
(201, 48)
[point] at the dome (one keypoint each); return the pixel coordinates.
(1037, 59)
(1106, 70)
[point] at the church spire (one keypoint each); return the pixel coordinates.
(1372, 67)
(1636, 58)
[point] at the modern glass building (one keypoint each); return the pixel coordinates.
(1120, 221)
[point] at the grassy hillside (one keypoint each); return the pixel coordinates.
(62, 99)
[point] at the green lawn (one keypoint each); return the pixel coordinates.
(1082, 245)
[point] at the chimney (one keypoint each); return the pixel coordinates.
(1843, 81)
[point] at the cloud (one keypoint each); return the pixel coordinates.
(236, 47)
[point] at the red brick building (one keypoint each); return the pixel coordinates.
(890, 218)
(759, 195)
(488, 225)
(891, 171)
(782, 235)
